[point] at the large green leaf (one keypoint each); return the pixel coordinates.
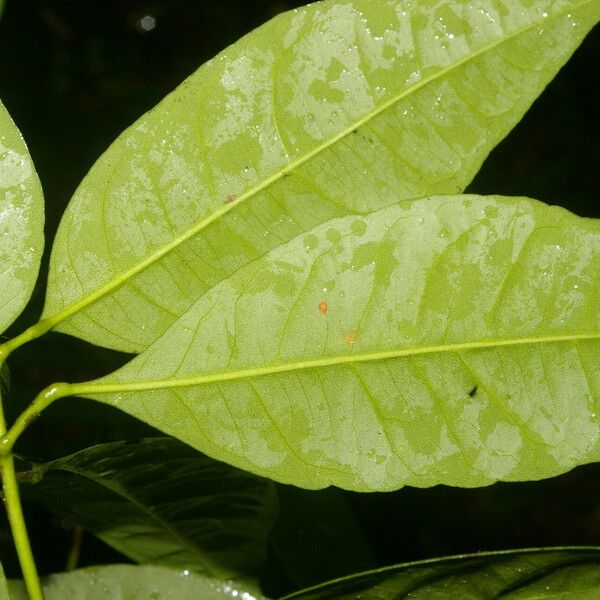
(445, 340)
(562, 573)
(21, 222)
(337, 108)
(134, 582)
(161, 502)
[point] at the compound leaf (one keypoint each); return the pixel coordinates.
(336, 108)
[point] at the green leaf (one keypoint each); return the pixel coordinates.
(336, 108)
(21, 222)
(134, 582)
(561, 573)
(158, 501)
(449, 340)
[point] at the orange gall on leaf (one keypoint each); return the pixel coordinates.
(350, 338)
(231, 198)
(323, 307)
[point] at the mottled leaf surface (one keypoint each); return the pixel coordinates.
(449, 340)
(336, 108)
(159, 501)
(560, 574)
(134, 582)
(21, 222)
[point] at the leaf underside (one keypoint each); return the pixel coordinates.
(160, 502)
(565, 573)
(21, 222)
(334, 109)
(134, 582)
(449, 340)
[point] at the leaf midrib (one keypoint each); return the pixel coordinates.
(330, 361)
(121, 279)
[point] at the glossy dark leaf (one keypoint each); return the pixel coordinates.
(559, 574)
(158, 501)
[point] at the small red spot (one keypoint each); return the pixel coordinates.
(350, 338)
(231, 198)
(323, 308)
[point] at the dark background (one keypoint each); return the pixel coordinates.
(73, 75)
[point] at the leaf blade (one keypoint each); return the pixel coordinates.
(159, 195)
(459, 346)
(160, 502)
(21, 221)
(519, 574)
(136, 582)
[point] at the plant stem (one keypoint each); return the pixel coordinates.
(31, 333)
(75, 549)
(41, 401)
(12, 502)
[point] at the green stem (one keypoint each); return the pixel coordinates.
(12, 502)
(44, 399)
(75, 549)
(31, 333)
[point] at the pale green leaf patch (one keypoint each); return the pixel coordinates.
(336, 108)
(21, 222)
(135, 582)
(444, 340)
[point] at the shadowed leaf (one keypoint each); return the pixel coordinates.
(158, 501)
(561, 574)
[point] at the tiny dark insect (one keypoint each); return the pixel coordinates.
(473, 391)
